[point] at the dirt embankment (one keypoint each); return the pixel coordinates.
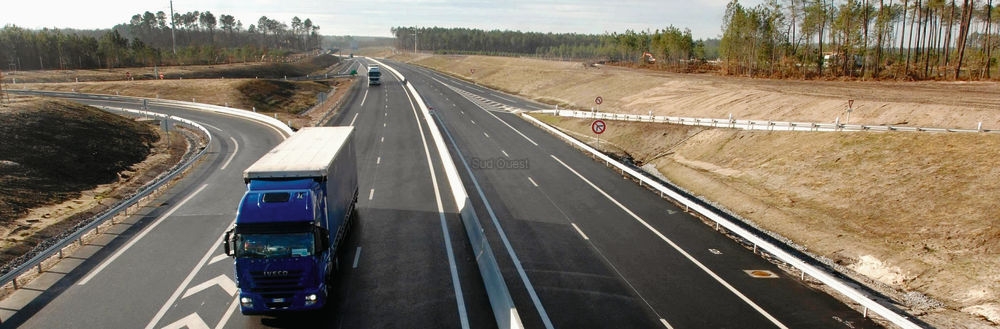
(66, 162)
(260, 87)
(914, 212)
(287, 100)
(62, 162)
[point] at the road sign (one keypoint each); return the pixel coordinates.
(598, 126)
(850, 103)
(599, 100)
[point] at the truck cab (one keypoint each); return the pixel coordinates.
(280, 248)
(374, 75)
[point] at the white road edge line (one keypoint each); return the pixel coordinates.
(232, 155)
(187, 280)
(493, 115)
(578, 230)
(459, 298)
(357, 257)
(229, 313)
(355, 119)
(503, 236)
(132, 242)
(676, 247)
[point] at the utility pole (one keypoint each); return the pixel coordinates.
(415, 40)
(173, 27)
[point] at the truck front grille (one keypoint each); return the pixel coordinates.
(277, 281)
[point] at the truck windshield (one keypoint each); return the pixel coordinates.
(275, 245)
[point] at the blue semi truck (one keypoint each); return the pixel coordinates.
(295, 215)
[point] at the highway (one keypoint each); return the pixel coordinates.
(578, 245)
(168, 270)
(591, 249)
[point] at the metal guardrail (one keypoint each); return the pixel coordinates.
(57, 248)
(281, 126)
(755, 124)
(96, 222)
(829, 279)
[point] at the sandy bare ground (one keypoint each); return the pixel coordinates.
(913, 212)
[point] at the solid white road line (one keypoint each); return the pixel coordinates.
(503, 236)
(231, 155)
(357, 256)
(139, 237)
(218, 258)
(496, 117)
(459, 298)
(187, 280)
(578, 230)
(676, 247)
(355, 119)
(229, 313)
(363, 99)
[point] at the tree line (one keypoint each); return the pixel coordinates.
(672, 46)
(150, 39)
(901, 39)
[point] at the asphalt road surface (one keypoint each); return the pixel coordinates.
(578, 245)
(591, 249)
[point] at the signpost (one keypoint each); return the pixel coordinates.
(3, 93)
(850, 108)
(598, 127)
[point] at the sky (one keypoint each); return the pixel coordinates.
(376, 17)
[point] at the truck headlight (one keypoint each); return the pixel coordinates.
(246, 302)
(310, 299)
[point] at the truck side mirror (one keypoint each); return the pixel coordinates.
(322, 239)
(226, 242)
